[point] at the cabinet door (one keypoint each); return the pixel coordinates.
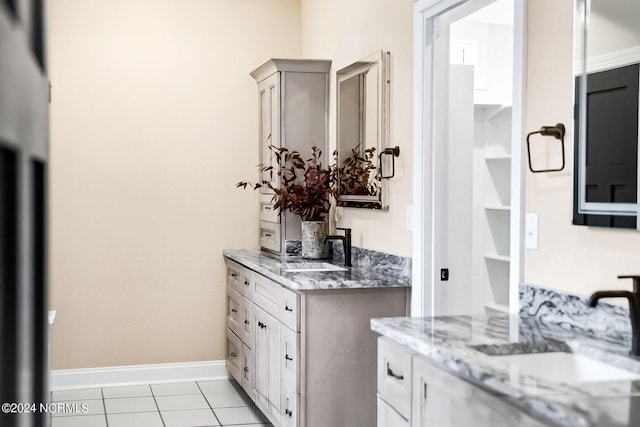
(269, 124)
(389, 417)
(444, 400)
(267, 363)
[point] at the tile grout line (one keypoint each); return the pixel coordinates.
(104, 406)
(158, 407)
(209, 404)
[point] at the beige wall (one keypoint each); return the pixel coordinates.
(572, 258)
(153, 121)
(346, 32)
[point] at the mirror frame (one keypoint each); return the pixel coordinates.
(582, 68)
(381, 60)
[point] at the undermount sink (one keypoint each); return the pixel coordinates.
(305, 267)
(566, 367)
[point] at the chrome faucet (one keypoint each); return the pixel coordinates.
(634, 309)
(346, 244)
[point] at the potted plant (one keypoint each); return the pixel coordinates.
(306, 188)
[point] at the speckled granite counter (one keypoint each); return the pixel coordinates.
(389, 271)
(447, 342)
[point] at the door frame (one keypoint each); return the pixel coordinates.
(424, 291)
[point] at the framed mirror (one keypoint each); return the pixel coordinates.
(363, 132)
(607, 70)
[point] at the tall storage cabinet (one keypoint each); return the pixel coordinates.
(293, 103)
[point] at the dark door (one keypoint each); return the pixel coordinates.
(24, 99)
(611, 144)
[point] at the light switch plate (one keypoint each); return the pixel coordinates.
(531, 231)
(410, 218)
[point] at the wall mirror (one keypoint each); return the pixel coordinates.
(363, 132)
(607, 54)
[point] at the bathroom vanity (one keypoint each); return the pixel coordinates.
(501, 370)
(298, 336)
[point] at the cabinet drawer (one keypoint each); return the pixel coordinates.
(235, 275)
(246, 327)
(234, 311)
(269, 236)
(389, 417)
(289, 313)
(394, 376)
(267, 211)
(234, 355)
(267, 294)
(239, 278)
(290, 402)
(247, 370)
(289, 354)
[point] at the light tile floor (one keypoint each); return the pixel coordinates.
(203, 403)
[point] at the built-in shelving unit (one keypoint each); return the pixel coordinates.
(493, 136)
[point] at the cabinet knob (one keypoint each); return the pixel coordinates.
(246, 282)
(246, 369)
(233, 354)
(288, 412)
(287, 308)
(286, 356)
(234, 275)
(246, 322)
(233, 310)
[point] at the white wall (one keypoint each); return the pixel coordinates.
(571, 258)
(153, 121)
(347, 32)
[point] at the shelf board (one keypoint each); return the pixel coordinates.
(497, 208)
(496, 257)
(497, 157)
(496, 307)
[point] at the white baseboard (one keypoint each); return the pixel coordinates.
(67, 379)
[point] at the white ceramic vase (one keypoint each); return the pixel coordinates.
(313, 234)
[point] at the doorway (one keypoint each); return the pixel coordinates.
(468, 167)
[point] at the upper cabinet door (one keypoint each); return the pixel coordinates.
(269, 128)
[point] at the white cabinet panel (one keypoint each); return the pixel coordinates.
(289, 357)
(234, 312)
(289, 312)
(290, 405)
(394, 376)
(247, 370)
(389, 417)
(267, 362)
(234, 355)
(444, 400)
(267, 294)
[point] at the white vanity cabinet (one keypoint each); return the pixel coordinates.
(293, 112)
(412, 391)
(309, 359)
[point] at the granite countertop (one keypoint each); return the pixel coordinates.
(385, 273)
(447, 341)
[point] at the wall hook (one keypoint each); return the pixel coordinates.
(557, 132)
(393, 152)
